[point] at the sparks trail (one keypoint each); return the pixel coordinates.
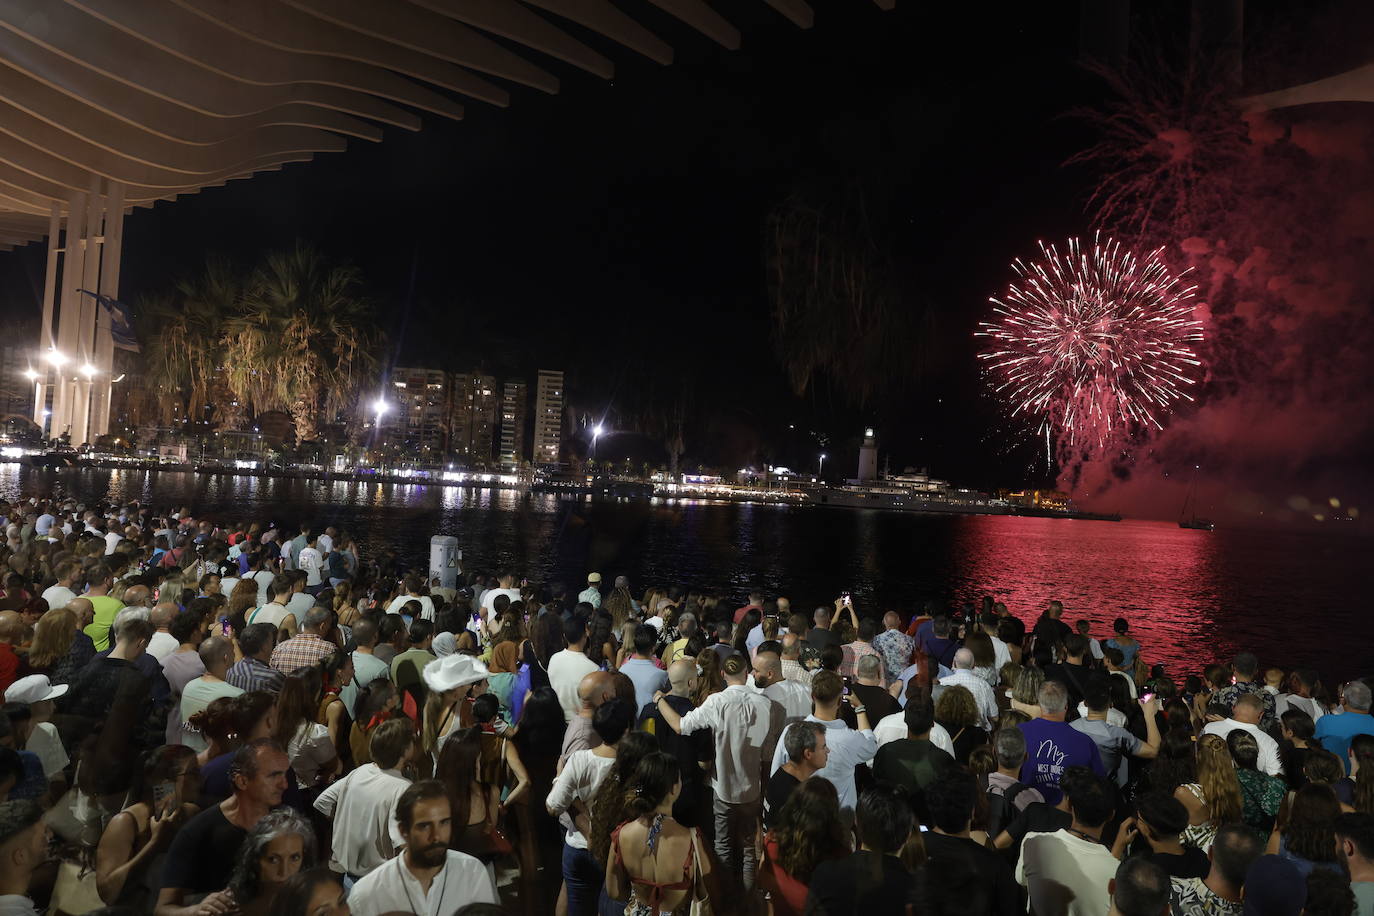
(1097, 344)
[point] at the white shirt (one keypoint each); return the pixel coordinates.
(892, 727)
(16, 905)
(226, 585)
(309, 749)
(580, 777)
(269, 613)
(591, 594)
(794, 698)
(794, 670)
(400, 601)
(743, 723)
(1293, 701)
(1269, 760)
(393, 889)
(310, 562)
(58, 596)
(161, 645)
(45, 743)
(566, 670)
(363, 808)
(848, 749)
(489, 598)
(111, 541)
(1066, 874)
(325, 544)
(1000, 653)
(982, 692)
(263, 578)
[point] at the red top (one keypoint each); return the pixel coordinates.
(9, 666)
(654, 891)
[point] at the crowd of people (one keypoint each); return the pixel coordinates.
(209, 717)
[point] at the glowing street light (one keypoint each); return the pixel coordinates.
(820, 468)
(380, 407)
(87, 370)
(56, 357)
(31, 375)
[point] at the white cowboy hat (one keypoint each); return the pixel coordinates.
(454, 671)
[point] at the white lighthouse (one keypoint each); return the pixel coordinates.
(868, 457)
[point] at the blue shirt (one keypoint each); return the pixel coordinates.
(1052, 747)
(1335, 732)
(647, 678)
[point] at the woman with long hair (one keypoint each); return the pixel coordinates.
(808, 831)
(447, 707)
(1261, 794)
(503, 668)
(1299, 734)
(337, 672)
(654, 859)
(609, 801)
(752, 617)
(620, 606)
(709, 677)
(53, 651)
(1362, 765)
(1215, 798)
(475, 804)
(984, 656)
(957, 712)
(378, 702)
(308, 744)
(600, 646)
(1176, 764)
(280, 845)
(1308, 840)
(242, 600)
(163, 799)
(546, 638)
(1025, 695)
(538, 738)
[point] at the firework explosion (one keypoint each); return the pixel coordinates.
(1098, 343)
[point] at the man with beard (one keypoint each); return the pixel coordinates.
(427, 878)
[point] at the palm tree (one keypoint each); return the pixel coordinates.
(303, 340)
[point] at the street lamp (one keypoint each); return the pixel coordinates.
(56, 357)
(31, 375)
(820, 467)
(87, 370)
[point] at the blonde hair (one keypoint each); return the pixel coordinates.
(52, 637)
(1216, 774)
(432, 719)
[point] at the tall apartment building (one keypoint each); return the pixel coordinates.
(418, 420)
(475, 415)
(514, 408)
(548, 417)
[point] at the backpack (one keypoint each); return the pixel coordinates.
(1002, 808)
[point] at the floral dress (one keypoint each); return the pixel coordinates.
(1261, 795)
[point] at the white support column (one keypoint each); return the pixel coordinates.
(69, 317)
(90, 278)
(109, 286)
(46, 338)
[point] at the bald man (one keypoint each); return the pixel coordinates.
(216, 654)
(894, 645)
(593, 690)
(163, 643)
(84, 611)
(12, 633)
(963, 676)
(693, 752)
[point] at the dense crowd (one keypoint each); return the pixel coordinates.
(206, 718)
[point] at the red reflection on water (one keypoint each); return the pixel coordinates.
(1159, 577)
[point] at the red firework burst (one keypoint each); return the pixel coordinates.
(1098, 343)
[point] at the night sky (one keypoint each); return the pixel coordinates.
(617, 230)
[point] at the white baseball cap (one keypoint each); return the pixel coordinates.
(34, 689)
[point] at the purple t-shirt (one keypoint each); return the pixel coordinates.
(1050, 748)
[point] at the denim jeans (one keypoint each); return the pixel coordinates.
(736, 826)
(584, 878)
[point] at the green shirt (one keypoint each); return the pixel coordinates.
(407, 669)
(99, 628)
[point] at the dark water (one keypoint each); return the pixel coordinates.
(1192, 596)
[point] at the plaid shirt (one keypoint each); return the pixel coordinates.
(301, 651)
(251, 674)
(853, 652)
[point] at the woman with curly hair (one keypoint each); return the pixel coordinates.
(280, 845)
(957, 712)
(242, 600)
(808, 831)
(653, 858)
(1215, 798)
(608, 803)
